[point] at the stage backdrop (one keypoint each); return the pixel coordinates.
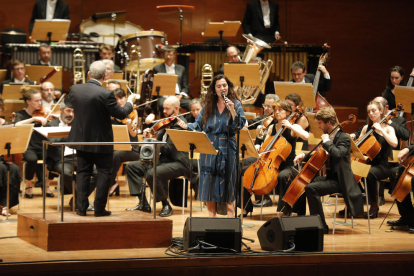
(366, 37)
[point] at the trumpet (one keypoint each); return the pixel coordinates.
(207, 75)
(78, 66)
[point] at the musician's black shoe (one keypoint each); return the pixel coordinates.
(80, 213)
(381, 201)
(342, 213)
(266, 203)
(166, 211)
(411, 231)
(139, 207)
(399, 222)
(103, 214)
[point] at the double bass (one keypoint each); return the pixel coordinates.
(311, 168)
(319, 100)
(261, 177)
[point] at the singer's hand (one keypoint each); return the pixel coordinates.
(182, 124)
(230, 103)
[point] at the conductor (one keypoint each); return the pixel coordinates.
(94, 106)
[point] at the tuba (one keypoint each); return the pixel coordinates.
(249, 94)
(206, 79)
(78, 66)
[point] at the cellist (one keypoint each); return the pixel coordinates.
(339, 177)
(405, 207)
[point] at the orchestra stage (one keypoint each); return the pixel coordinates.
(348, 251)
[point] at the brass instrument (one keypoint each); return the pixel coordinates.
(78, 66)
(133, 77)
(249, 94)
(207, 75)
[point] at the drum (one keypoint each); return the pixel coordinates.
(148, 43)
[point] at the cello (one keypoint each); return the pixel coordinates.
(261, 177)
(311, 168)
(319, 100)
(403, 186)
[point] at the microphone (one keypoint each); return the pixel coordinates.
(223, 95)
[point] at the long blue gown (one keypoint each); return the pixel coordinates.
(213, 167)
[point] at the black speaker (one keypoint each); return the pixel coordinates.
(147, 150)
(220, 232)
(281, 233)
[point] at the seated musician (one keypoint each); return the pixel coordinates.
(339, 177)
(405, 207)
(33, 99)
(171, 164)
(54, 154)
(113, 85)
(106, 51)
(14, 177)
(45, 54)
(282, 110)
(19, 72)
(267, 111)
(300, 75)
(109, 68)
(195, 108)
(395, 77)
(47, 90)
(121, 156)
(233, 55)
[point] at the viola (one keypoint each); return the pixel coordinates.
(320, 101)
(311, 168)
(43, 112)
(368, 144)
(403, 186)
(261, 177)
(163, 123)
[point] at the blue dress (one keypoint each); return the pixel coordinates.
(213, 167)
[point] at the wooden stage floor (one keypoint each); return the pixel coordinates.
(346, 246)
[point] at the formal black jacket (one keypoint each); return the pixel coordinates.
(11, 81)
(324, 84)
(39, 11)
(253, 21)
(180, 72)
(94, 106)
(340, 169)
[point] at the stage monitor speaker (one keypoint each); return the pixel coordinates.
(147, 150)
(223, 233)
(281, 233)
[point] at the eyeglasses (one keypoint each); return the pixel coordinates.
(19, 69)
(296, 74)
(266, 106)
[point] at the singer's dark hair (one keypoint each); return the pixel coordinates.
(212, 98)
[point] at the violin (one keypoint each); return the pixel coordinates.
(13, 158)
(320, 101)
(403, 186)
(261, 177)
(311, 168)
(368, 144)
(161, 124)
(266, 124)
(43, 112)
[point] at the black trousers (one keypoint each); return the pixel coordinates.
(14, 185)
(319, 187)
(376, 173)
(86, 162)
(31, 156)
(405, 208)
(119, 157)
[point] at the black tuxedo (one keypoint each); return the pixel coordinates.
(323, 86)
(93, 107)
(11, 81)
(182, 82)
(39, 11)
(339, 179)
(253, 21)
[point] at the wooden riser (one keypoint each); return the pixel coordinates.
(120, 230)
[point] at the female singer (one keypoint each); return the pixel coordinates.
(217, 114)
(121, 156)
(14, 177)
(33, 99)
(395, 77)
(385, 135)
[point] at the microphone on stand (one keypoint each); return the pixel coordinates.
(223, 95)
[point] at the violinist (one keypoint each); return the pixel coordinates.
(171, 164)
(295, 100)
(267, 111)
(121, 156)
(300, 75)
(218, 114)
(14, 177)
(195, 108)
(33, 114)
(405, 207)
(385, 135)
(339, 177)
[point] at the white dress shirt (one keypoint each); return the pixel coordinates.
(49, 105)
(68, 151)
(171, 70)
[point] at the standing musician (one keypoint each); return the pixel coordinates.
(49, 9)
(171, 164)
(14, 177)
(214, 119)
(405, 208)
(385, 135)
(121, 156)
(395, 77)
(30, 115)
(19, 73)
(45, 54)
(300, 75)
(94, 106)
(339, 177)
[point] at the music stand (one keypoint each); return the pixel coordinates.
(53, 132)
(11, 106)
(14, 140)
(50, 30)
(304, 90)
(405, 96)
(3, 74)
(225, 28)
(121, 135)
(191, 141)
(317, 133)
(38, 72)
(12, 91)
(242, 74)
(355, 152)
